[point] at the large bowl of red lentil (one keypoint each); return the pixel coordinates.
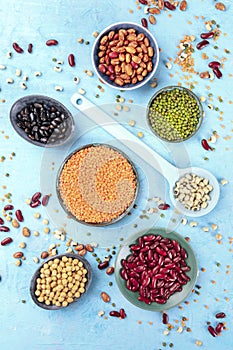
(97, 184)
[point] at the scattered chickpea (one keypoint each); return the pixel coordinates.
(18, 262)
(22, 245)
(140, 134)
(37, 215)
(46, 230)
(36, 233)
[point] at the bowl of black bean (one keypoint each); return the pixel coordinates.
(42, 120)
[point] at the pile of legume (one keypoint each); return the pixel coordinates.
(61, 281)
(97, 184)
(174, 114)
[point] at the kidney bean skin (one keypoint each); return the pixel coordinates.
(217, 73)
(1, 221)
(144, 22)
(122, 313)
(36, 196)
(114, 313)
(17, 48)
(51, 42)
(71, 60)
(4, 229)
(45, 200)
(35, 204)
(214, 64)
(103, 265)
(212, 331)
(220, 315)
(164, 206)
(169, 6)
(19, 215)
(6, 241)
(202, 44)
(207, 35)
(219, 327)
(30, 46)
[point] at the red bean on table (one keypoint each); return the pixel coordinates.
(35, 204)
(220, 315)
(4, 229)
(71, 60)
(45, 200)
(205, 145)
(207, 35)
(6, 241)
(17, 48)
(122, 313)
(19, 215)
(217, 73)
(214, 64)
(30, 46)
(114, 313)
(144, 22)
(202, 44)
(212, 331)
(164, 206)
(169, 6)
(219, 327)
(36, 196)
(1, 221)
(165, 318)
(51, 42)
(143, 2)
(8, 207)
(103, 265)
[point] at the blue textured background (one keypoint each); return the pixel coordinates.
(27, 326)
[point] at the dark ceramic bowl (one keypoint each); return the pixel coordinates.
(103, 223)
(64, 130)
(116, 27)
(37, 274)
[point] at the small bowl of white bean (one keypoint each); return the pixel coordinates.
(60, 281)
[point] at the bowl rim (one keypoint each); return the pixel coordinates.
(168, 88)
(125, 213)
(21, 133)
(155, 307)
(59, 256)
(144, 81)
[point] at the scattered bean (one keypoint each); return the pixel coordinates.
(165, 318)
(44, 255)
(18, 255)
(183, 5)
(207, 35)
(18, 262)
(169, 6)
(30, 46)
(110, 270)
(212, 331)
(114, 313)
(26, 232)
(19, 215)
(51, 42)
(217, 73)
(144, 22)
(219, 327)
(4, 229)
(71, 60)
(220, 6)
(105, 297)
(220, 315)
(122, 313)
(6, 241)
(103, 265)
(205, 145)
(202, 44)
(1, 221)
(15, 223)
(17, 48)
(163, 206)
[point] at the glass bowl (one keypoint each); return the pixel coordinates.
(116, 27)
(174, 299)
(36, 275)
(126, 212)
(171, 88)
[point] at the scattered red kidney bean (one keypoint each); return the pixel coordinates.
(122, 313)
(71, 60)
(45, 200)
(219, 327)
(30, 46)
(35, 204)
(205, 145)
(202, 44)
(51, 42)
(220, 315)
(17, 48)
(214, 64)
(144, 22)
(143, 2)
(207, 35)
(6, 241)
(169, 6)
(114, 313)
(19, 215)
(8, 207)
(164, 206)
(4, 229)
(1, 221)
(36, 197)
(165, 318)
(212, 331)
(110, 270)
(103, 265)
(217, 73)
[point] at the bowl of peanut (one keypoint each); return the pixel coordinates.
(125, 56)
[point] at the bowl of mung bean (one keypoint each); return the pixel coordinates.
(97, 185)
(60, 281)
(174, 114)
(42, 120)
(125, 55)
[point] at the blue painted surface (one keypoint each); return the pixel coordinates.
(26, 325)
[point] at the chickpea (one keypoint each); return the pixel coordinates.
(70, 300)
(47, 302)
(81, 290)
(77, 295)
(37, 293)
(80, 264)
(64, 258)
(64, 303)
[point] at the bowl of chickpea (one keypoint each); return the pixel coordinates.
(60, 281)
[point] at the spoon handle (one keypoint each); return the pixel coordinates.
(97, 115)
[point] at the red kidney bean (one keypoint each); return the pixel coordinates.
(164, 206)
(122, 313)
(176, 246)
(150, 254)
(17, 48)
(146, 281)
(51, 42)
(8, 207)
(143, 2)
(6, 241)
(124, 275)
(212, 331)
(1, 221)
(217, 73)
(169, 6)
(71, 60)
(133, 274)
(102, 68)
(134, 65)
(113, 54)
(45, 200)
(30, 46)
(202, 44)
(220, 315)
(160, 300)
(112, 76)
(163, 246)
(207, 35)
(134, 283)
(19, 215)
(111, 69)
(149, 238)
(205, 145)
(144, 299)
(135, 247)
(144, 22)
(219, 327)
(36, 197)
(114, 313)
(214, 64)
(103, 265)
(35, 204)
(160, 251)
(144, 249)
(4, 229)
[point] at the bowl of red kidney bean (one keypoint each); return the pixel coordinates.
(125, 56)
(42, 120)
(156, 270)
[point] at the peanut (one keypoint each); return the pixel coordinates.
(105, 297)
(18, 255)
(26, 232)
